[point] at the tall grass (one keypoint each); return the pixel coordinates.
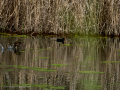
(110, 17)
(60, 16)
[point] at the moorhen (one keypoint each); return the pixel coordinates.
(17, 44)
(61, 40)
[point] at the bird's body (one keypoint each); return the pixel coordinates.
(61, 40)
(17, 44)
(15, 47)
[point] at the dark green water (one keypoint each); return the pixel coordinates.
(41, 63)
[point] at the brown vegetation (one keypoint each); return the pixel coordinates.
(110, 17)
(60, 16)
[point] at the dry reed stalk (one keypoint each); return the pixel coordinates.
(59, 16)
(39, 15)
(110, 17)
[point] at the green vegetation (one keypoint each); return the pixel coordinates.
(36, 68)
(110, 61)
(91, 85)
(59, 65)
(31, 68)
(45, 86)
(9, 69)
(91, 72)
(22, 51)
(67, 44)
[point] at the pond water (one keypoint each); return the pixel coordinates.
(42, 63)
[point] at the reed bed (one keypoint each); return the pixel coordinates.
(60, 16)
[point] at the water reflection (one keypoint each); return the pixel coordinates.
(15, 47)
(82, 63)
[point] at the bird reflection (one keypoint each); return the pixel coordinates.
(16, 47)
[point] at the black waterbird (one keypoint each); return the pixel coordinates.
(61, 40)
(17, 44)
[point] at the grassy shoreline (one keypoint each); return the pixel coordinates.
(19, 34)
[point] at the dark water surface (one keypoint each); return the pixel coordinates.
(41, 63)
